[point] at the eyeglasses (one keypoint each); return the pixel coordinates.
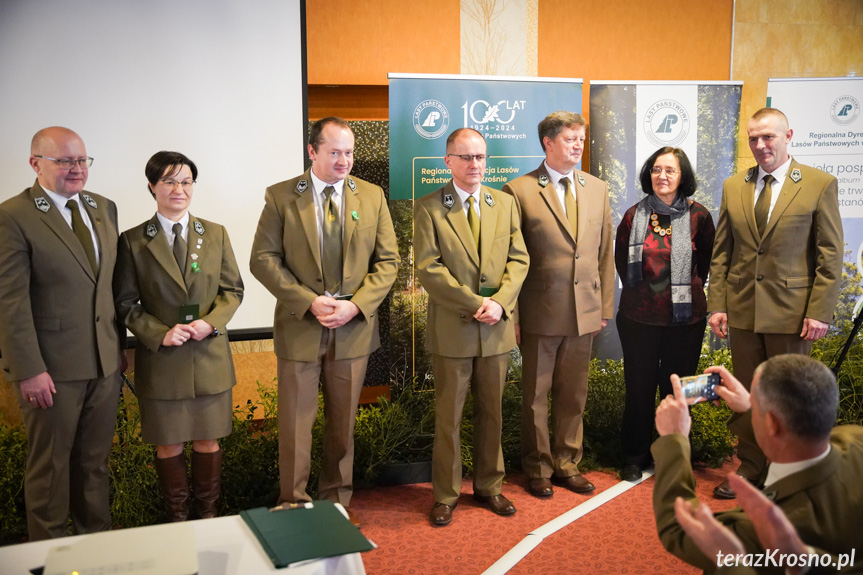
(69, 163)
(471, 157)
(668, 171)
(186, 184)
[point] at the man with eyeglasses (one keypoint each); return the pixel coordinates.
(568, 297)
(776, 267)
(471, 259)
(326, 248)
(59, 337)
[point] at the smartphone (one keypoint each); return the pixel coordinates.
(698, 388)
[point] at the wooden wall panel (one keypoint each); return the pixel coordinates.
(360, 42)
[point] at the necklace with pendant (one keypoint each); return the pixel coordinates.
(654, 221)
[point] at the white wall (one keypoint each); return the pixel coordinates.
(218, 80)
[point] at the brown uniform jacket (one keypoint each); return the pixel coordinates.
(55, 314)
(453, 271)
(286, 258)
(149, 293)
(823, 502)
(793, 272)
(570, 286)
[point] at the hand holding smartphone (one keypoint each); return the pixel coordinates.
(698, 388)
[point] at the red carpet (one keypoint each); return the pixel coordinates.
(618, 537)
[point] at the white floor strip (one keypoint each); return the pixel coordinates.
(535, 537)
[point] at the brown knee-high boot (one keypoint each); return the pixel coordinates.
(206, 481)
(175, 486)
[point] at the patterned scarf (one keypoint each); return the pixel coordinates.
(681, 251)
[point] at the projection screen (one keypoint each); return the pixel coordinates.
(222, 81)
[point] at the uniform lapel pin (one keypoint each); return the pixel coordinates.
(42, 204)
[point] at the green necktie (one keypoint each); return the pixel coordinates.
(82, 232)
(473, 220)
(331, 257)
(571, 206)
(762, 206)
(179, 247)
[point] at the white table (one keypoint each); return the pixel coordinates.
(226, 546)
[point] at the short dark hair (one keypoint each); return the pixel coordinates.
(316, 137)
(551, 125)
(163, 162)
(801, 391)
(687, 185)
(455, 134)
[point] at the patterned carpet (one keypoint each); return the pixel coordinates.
(618, 537)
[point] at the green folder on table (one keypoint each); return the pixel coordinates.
(293, 535)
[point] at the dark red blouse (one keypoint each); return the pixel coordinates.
(649, 301)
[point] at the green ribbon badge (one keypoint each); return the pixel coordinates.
(196, 268)
(355, 215)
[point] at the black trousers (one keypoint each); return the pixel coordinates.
(651, 353)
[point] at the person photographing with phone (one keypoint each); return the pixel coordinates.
(814, 467)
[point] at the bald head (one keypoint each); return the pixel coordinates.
(49, 150)
(46, 136)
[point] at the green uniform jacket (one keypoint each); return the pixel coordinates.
(149, 293)
(286, 259)
(453, 271)
(770, 285)
(823, 502)
(55, 314)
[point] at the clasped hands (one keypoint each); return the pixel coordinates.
(183, 332)
(489, 312)
(333, 313)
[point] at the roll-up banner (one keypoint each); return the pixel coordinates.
(424, 109)
(824, 114)
(630, 120)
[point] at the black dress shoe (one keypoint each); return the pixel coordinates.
(441, 514)
(631, 472)
(540, 487)
(577, 483)
(724, 491)
(497, 503)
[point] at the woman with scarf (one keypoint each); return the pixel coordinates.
(662, 254)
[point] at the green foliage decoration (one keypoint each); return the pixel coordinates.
(250, 455)
(135, 496)
(398, 430)
(827, 349)
(13, 447)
